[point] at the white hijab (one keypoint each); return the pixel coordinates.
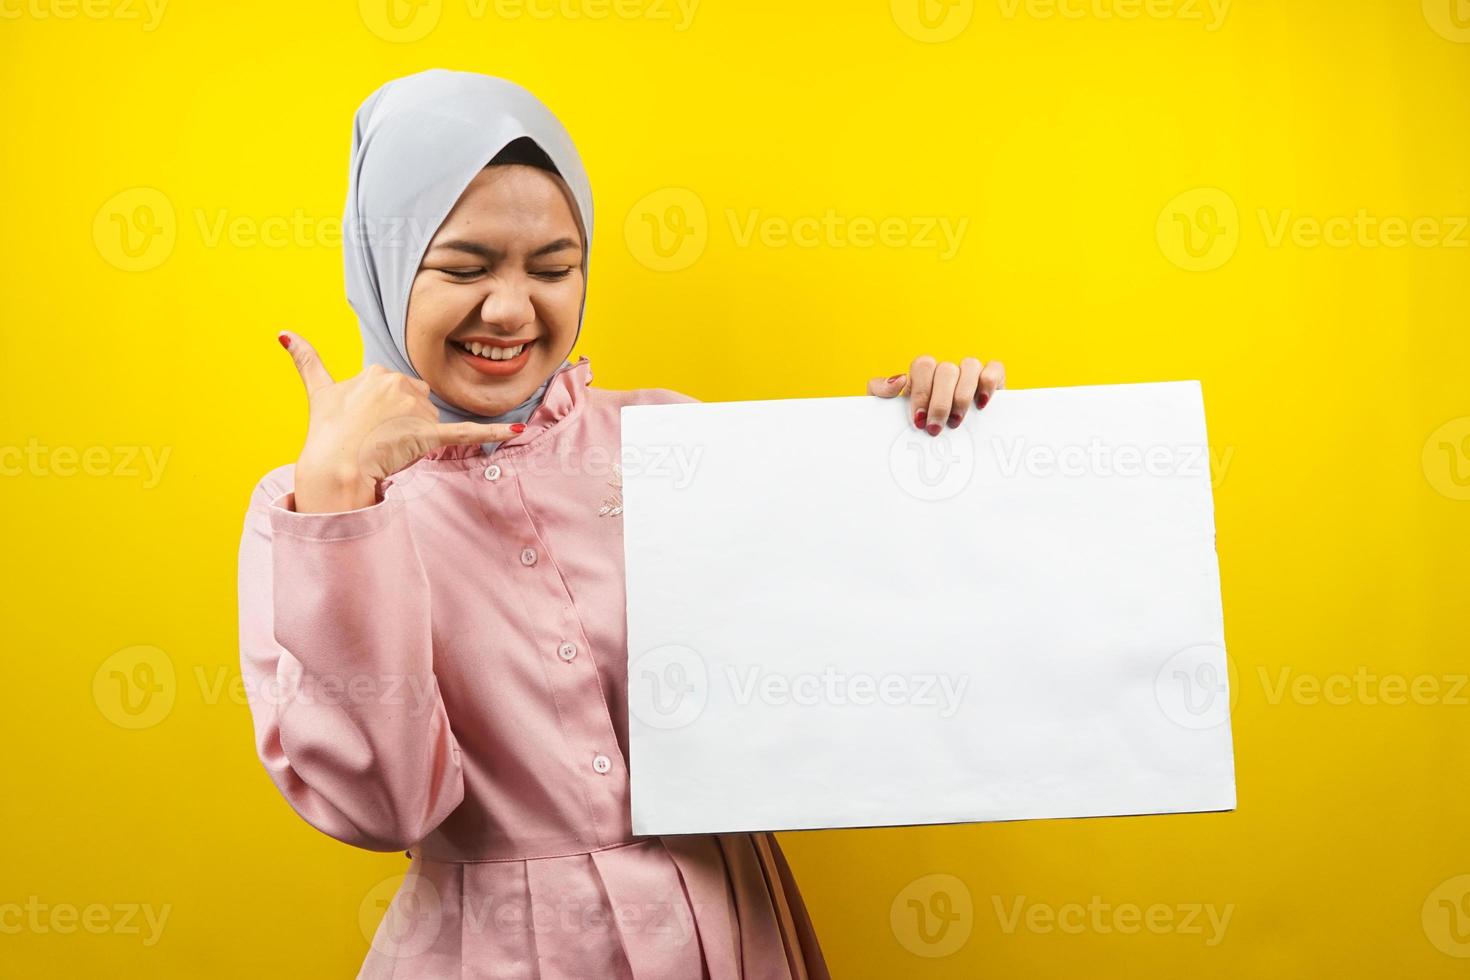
(417, 142)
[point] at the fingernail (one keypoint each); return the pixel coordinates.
(934, 428)
(894, 378)
(285, 341)
(518, 427)
(919, 418)
(983, 399)
(954, 419)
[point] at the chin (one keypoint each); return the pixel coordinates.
(492, 398)
(476, 403)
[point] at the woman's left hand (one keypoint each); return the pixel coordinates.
(941, 392)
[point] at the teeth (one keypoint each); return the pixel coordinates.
(493, 353)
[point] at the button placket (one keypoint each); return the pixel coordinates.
(593, 727)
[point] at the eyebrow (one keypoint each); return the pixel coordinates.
(490, 254)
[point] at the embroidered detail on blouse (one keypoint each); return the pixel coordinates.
(613, 506)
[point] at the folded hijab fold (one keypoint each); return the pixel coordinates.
(417, 142)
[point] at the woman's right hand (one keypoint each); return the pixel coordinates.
(365, 429)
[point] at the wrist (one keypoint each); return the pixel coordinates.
(325, 489)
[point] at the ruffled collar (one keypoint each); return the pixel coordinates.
(564, 395)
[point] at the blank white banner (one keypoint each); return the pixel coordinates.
(837, 620)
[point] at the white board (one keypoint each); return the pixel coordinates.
(837, 620)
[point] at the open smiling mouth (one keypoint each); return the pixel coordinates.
(495, 358)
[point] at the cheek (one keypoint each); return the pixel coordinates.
(430, 319)
(561, 306)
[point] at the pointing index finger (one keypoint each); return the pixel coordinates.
(465, 433)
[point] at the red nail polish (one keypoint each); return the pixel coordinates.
(983, 399)
(954, 419)
(518, 427)
(285, 341)
(919, 418)
(894, 378)
(933, 429)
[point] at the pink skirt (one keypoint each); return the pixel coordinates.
(687, 907)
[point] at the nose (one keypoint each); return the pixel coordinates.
(507, 306)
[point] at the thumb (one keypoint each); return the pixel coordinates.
(887, 387)
(313, 372)
(464, 433)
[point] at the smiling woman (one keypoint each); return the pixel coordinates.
(434, 536)
(496, 304)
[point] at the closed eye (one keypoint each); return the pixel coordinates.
(465, 275)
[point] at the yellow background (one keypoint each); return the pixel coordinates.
(1079, 143)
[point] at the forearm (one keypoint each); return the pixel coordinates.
(337, 652)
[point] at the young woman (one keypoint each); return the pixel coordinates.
(431, 598)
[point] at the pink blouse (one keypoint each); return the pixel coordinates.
(444, 672)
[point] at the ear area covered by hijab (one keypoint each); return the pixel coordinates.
(417, 142)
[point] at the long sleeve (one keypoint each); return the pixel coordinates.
(336, 652)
